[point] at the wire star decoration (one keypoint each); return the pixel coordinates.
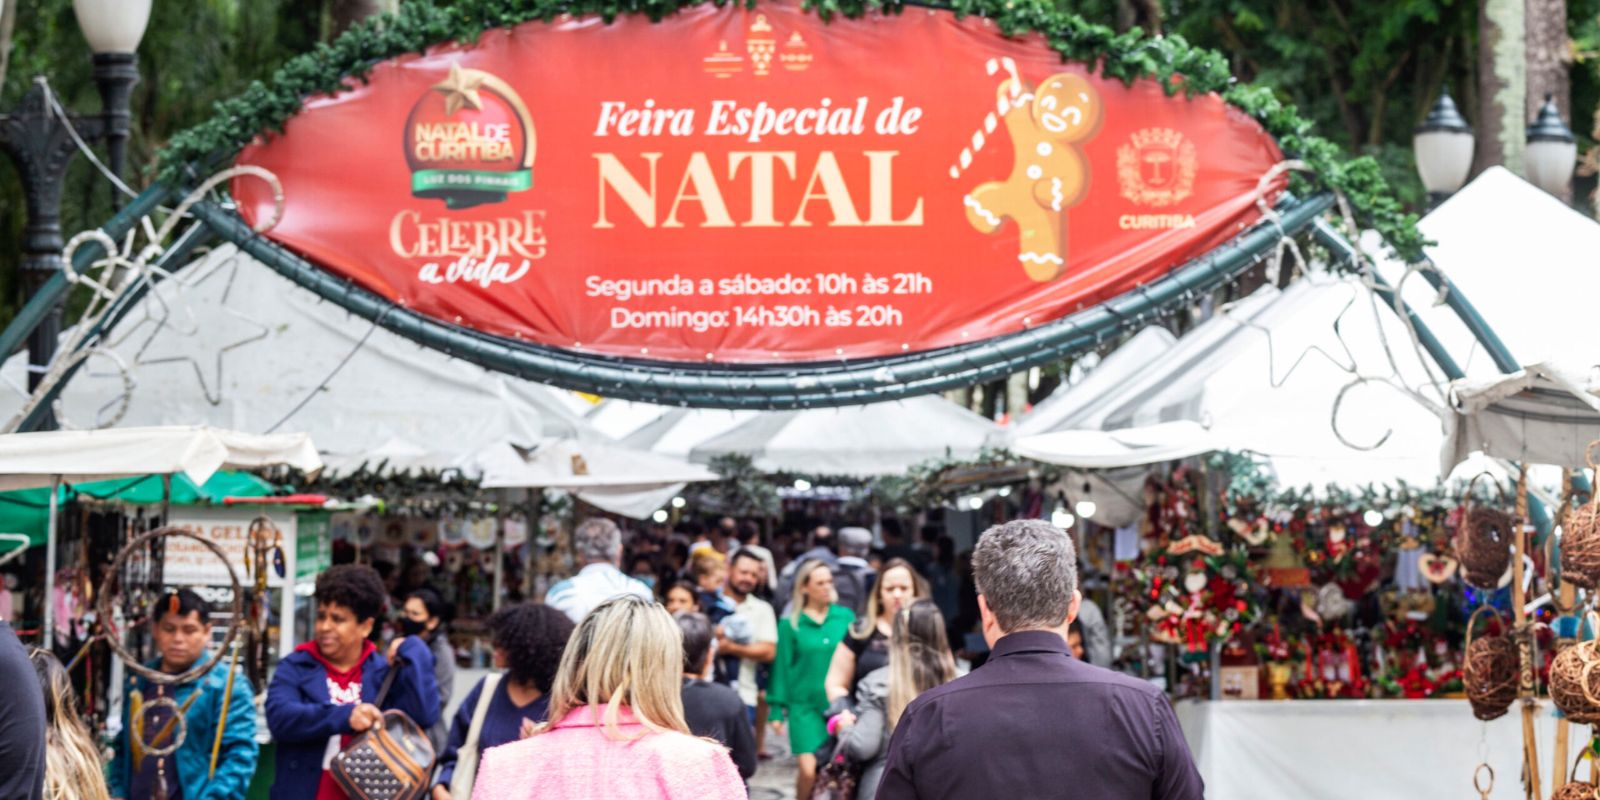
(211, 285)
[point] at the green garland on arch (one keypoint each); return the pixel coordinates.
(1176, 64)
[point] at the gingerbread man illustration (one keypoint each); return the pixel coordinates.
(1049, 174)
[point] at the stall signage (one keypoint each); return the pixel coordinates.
(755, 185)
(188, 563)
(313, 548)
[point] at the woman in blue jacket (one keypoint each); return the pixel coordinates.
(529, 639)
(325, 692)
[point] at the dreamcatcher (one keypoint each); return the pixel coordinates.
(133, 595)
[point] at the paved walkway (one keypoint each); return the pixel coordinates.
(774, 778)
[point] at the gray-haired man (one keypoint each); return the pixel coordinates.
(599, 548)
(1034, 721)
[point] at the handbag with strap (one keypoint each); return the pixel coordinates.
(466, 772)
(837, 777)
(389, 761)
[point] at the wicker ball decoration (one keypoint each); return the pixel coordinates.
(1484, 542)
(1489, 670)
(1580, 546)
(1575, 791)
(1574, 683)
(1580, 539)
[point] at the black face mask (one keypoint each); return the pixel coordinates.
(411, 627)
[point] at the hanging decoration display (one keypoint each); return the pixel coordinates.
(1490, 668)
(756, 185)
(1580, 538)
(1331, 594)
(1483, 540)
(1194, 591)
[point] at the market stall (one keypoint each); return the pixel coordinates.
(51, 458)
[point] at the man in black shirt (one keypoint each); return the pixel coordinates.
(1033, 721)
(22, 725)
(712, 709)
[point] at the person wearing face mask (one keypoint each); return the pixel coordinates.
(326, 691)
(423, 616)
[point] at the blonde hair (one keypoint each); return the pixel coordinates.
(869, 621)
(797, 595)
(919, 656)
(707, 562)
(72, 766)
(626, 652)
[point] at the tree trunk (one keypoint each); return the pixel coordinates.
(1016, 395)
(1502, 84)
(347, 13)
(1549, 58)
(8, 23)
(1145, 14)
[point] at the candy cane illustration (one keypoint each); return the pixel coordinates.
(1016, 95)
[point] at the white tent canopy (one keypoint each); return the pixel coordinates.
(664, 429)
(1543, 414)
(1274, 375)
(619, 479)
(29, 460)
(1061, 410)
(879, 439)
(1524, 259)
(573, 465)
(1088, 449)
(1265, 375)
(242, 347)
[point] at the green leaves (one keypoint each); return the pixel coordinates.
(1171, 60)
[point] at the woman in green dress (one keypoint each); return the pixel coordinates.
(806, 641)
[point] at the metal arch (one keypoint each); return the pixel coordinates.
(773, 386)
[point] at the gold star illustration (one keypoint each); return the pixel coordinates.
(461, 89)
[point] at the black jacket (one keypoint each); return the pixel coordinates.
(716, 712)
(1035, 722)
(21, 723)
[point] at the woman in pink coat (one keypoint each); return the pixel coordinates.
(616, 726)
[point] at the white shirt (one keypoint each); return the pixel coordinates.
(763, 628)
(593, 585)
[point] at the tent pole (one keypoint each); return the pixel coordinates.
(530, 513)
(504, 497)
(1526, 686)
(47, 631)
(166, 499)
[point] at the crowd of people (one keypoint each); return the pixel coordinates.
(658, 681)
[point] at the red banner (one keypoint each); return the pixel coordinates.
(731, 185)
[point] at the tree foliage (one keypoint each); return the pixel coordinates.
(195, 52)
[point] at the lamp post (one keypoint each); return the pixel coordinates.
(1443, 146)
(1552, 153)
(39, 137)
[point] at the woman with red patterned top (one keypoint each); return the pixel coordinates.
(325, 692)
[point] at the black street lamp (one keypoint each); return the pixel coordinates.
(40, 137)
(1443, 145)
